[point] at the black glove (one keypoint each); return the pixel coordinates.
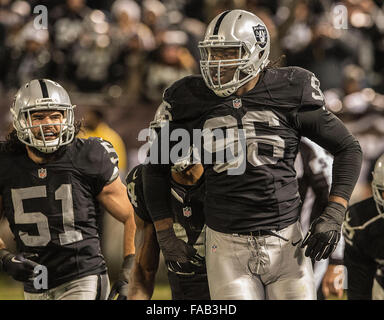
(120, 287)
(180, 257)
(17, 266)
(195, 264)
(324, 232)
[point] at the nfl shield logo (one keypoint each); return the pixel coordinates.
(187, 211)
(42, 173)
(261, 35)
(237, 103)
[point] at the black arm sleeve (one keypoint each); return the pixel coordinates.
(156, 186)
(325, 129)
(361, 271)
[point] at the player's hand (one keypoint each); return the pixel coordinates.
(333, 279)
(195, 264)
(119, 290)
(18, 266)
(180, 257)
(173, 248)
(324, 232)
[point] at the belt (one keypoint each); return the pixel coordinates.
(259, 233)
(256, 233)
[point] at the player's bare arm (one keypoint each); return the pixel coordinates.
(142, 280)
(115, 200)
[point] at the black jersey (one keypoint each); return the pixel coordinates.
(285, 104)
(363, 230)
(52, 208)
(314, 173)
(186, 204)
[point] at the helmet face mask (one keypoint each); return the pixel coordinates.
(240, 30)
(378, 185)
(222, 73)
(43, 96)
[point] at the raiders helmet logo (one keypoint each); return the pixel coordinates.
(42, 173)
(261, 35)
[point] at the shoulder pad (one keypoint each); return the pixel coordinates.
(95, 156)
(310, 85)
(188, 97)
(294, 85)
(135, 174)
(135, 192)
(361, 212)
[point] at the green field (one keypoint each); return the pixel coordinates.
(13, 290)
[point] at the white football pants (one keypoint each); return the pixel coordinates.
(93, 287)
(244, 267)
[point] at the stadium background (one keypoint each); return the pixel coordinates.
(115, 58)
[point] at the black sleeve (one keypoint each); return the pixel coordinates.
(98, 160)
(134, 181)
(325, 129)
(360, 273)
(156, 185)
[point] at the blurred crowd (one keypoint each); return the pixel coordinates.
(116, 57)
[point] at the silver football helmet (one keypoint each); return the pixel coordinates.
(378, 184)
(378, 191)
(42, 95)
(190, 158)
(248, 35)
(162, 116)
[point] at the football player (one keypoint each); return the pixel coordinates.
(188, 280)
(314, 174)
(254, 243)
(51, 188)
(364, 242)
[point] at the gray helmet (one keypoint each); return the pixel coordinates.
(192, 157)
(162, 116)
(234, 29)
(161, 119)
(377, 190)
(378, 184)
(42, 95)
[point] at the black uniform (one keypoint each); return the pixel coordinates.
(314, 182)
(186, 203)
(364, 249)
(52, 208)
(285, 104)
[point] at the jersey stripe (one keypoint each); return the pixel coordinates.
(218, 22)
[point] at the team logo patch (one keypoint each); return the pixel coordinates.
(237, 103)
(187, 211)
(42, 173)
(261, 35)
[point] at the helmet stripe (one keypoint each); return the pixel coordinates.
(44, 88)
(218, 22)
